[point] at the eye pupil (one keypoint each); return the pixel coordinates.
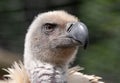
(48, 27)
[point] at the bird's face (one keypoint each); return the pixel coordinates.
(55, 36)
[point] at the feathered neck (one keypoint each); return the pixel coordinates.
(40, 72)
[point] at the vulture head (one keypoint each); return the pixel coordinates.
(53, 38)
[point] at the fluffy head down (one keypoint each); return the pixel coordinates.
(45, 38)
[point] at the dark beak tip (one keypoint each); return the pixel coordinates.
(86, 44)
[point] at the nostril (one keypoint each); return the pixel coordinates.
(70, 27)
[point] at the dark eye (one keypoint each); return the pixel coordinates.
(49, 27)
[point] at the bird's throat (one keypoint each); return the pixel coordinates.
(46, 73)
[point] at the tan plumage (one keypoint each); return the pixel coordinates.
(51, 44)
(17, 74)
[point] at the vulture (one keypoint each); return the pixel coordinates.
(51, 44)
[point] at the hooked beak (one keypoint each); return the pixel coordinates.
(79, 32)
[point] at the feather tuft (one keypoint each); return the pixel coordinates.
(77, 77)
(17, 74)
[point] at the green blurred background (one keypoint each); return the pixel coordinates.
(102, 17)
